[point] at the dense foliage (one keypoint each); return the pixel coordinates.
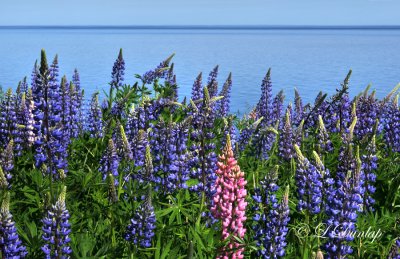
(143, 175)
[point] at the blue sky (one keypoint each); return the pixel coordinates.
(201, 12)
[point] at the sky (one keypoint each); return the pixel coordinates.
(200, 12)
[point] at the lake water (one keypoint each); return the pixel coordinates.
(310, 60)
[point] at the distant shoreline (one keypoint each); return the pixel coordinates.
(204, 27)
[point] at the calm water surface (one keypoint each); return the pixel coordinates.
(310, 60)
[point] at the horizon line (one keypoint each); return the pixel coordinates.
(208, 27)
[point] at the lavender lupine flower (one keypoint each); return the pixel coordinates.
(204, 158)
(324, 143)
(309, 184)
(212, 83)
(140, 231)
(286, 139)
(271, 218)
(264, 106)
(277, 105)
(370, 165)
(328, 183)
(56, 230)
(25, 120)
(367, 113)
(224, 104)
(109, 162)
(263, 140)
(161, 71)
(141, 117)
(197, 91)
(95, 121)
(391, 121)
(139, 145)
(168, 141)
(298, 108)
(34, 75)
(65, 112)
(79, 99)
(118, 71)
(10, 244)
(8, 120)
(344, 200)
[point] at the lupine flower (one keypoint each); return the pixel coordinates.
(168, 141)
(8, 120)
(56, 230)
(395, 251)
(286, 150)
(271, 218)
(122, 145)
(229, 128)
(161, 71)
(212, 83)
(139, 146)
(3, 179)
(370, 165)
(367, 112)
(298, 108)
(25, 120)
(74, 111)
(391, 120)
(229, 201)
(109, 162)
(140, 231)
(7, 160)
(204, 159)
(344, 201)
(118, 71)
(95, 122)
(264, 106)
(263, 140)
(224, 103)
(328, 183)
(277, 105)
(79, 98)
(309, 184)
(197, 90)
(10, 244)
(324, 142)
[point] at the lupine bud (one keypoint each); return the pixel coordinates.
(118, 71)
(109, 162)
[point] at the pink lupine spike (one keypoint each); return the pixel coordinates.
(229, 202)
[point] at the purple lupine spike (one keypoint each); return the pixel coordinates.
(229, 128)
(8, 119)
(391, 125)
(344, 201)
(298, 108)
(140, 231)
(118, 71)
(25, 120)
(161, 71)
(263, 139)
(79, 100)
(367, 113)
(271, 218)
(286, 138)
(309, 184)
(264, 105)
(168, 141)
(56, 230)
(324, 143)
(64, 106)
(76, 80)
(345, 155)
(139, 148)
(204, 159)
(10, 244)
(95, 121)
(224, 104)
(109, 162)
(212, 83)
(328, 183)
(277, 105)
(395, 251)
(34, 75)
(370, 165)
(197, 92)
